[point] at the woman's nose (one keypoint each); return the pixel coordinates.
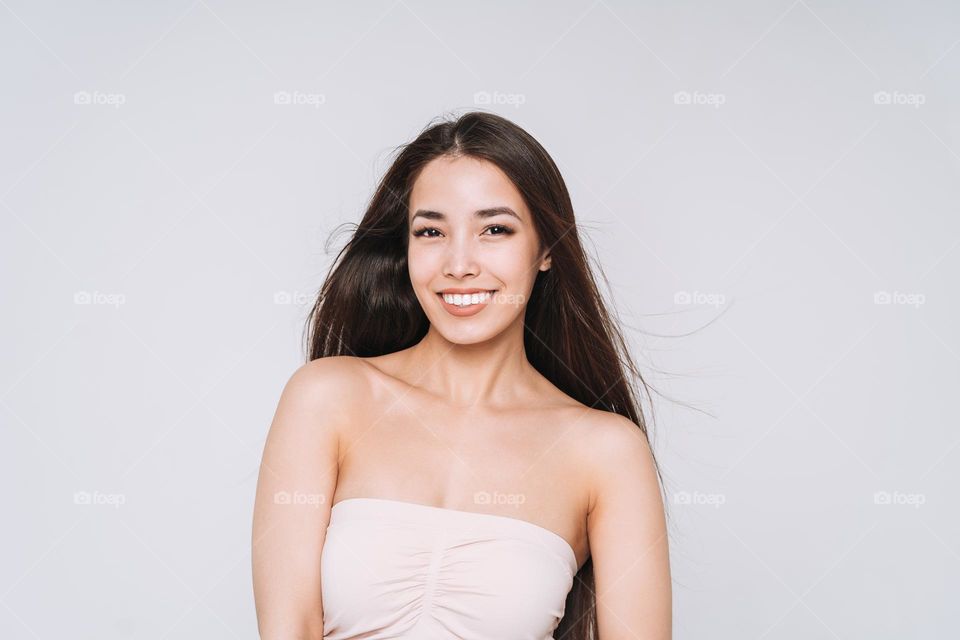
(460, 259)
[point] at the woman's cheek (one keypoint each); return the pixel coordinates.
(420, 266)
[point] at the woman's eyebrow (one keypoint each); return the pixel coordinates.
(481, 213)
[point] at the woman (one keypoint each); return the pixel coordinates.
(463, 455)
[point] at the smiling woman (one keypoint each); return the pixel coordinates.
(500, 235)
(468, 422)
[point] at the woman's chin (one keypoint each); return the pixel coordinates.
(461, 333)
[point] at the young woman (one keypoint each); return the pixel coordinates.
(463, 456)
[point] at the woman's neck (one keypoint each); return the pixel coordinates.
(487, 373)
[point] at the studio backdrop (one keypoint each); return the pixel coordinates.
(769, 188)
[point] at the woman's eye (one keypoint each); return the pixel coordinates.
(494, 229)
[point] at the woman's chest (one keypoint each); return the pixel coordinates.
(521, 467)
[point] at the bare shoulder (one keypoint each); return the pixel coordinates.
(324, 393)
(329, 376)
(301, 458)
(613, 432)
(627, 531)
(600, 432)
(618, 455)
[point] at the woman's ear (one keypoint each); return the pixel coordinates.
(545, 263)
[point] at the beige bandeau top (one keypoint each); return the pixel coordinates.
(392, 569)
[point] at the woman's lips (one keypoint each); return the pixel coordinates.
(468, 310)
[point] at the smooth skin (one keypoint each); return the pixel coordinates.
(461, 414)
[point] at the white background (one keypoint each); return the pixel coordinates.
(186, 205)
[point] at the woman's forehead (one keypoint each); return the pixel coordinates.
(463, 185)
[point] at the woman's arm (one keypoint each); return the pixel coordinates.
(628, 537)
(298, 476)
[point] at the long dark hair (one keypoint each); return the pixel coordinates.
(367, 307)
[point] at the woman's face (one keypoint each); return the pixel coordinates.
(471, 238)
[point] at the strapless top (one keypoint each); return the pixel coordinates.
(392, 569)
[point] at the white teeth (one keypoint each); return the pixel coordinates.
(467, 299)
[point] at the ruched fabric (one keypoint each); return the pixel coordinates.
(392, 569)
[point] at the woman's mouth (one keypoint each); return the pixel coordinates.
(466, 304)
